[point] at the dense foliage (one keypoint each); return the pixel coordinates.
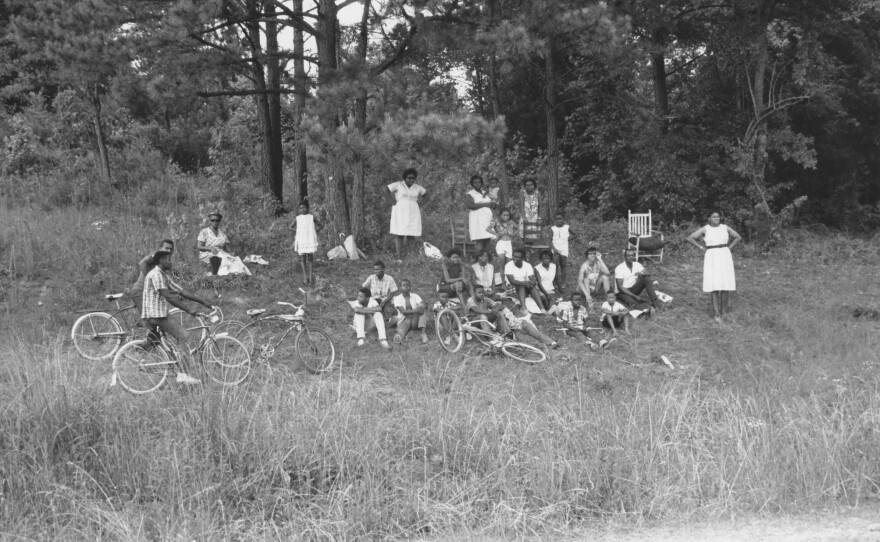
(765, 109)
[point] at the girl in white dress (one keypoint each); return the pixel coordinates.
(561, 235)
(480, 207)
(306, 241)
(406, 217)
(718, 274)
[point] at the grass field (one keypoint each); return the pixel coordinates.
(776, 410)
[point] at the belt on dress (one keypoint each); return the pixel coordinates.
(717, 246)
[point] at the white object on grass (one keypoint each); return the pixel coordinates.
(666, 298)
(432, 252)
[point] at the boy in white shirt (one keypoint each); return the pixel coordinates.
(367, 305)
(615, 314)
(410, 313)
(574, 318)
(632, 281)
(521, 275)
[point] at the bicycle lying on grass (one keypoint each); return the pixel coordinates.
(97, 335)
(272, 336)
(142, 365)
(452, 330)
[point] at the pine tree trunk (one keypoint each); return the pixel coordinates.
(550, 85)
(762, 58)
(508, 191)
(300, 165)
(271, 173)
(360, 119)
(101, 141)
(273, 72)
(335, 202)
(661, 91)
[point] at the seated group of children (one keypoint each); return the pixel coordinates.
(410, 312)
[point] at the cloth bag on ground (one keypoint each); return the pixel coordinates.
(231, 265)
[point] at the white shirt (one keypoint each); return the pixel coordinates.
(519, 273)
(484, 275)
(618, 306)
(548, 274)
(629, 277)
(399, 301)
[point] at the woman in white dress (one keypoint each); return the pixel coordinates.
(718, 274)
(480, 207)
(406, 217)
(210, 242)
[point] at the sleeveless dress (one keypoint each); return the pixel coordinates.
(306, 241)
(718, 274)
(406, 217)
(479, 219)
(560, 239)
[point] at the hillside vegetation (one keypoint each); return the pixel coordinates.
(775, 410)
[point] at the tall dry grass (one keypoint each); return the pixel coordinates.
(777, 410)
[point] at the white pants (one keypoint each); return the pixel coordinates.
(360, 325)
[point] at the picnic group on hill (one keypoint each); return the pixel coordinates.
(501, 286)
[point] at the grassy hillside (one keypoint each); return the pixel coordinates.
(777, 409)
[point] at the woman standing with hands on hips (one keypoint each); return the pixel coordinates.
(718, 275)
(480, 207)
(406, 216)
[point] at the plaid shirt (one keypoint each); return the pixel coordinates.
(380, 287)
(154, 305)
(574, 316)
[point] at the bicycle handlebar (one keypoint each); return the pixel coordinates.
(297, 307)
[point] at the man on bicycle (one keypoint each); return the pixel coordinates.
(159, 291)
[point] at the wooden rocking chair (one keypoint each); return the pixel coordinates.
(647, 242)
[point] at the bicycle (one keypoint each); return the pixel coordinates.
(142, 366)
(267, 335)
(97, 335)
(452, 328)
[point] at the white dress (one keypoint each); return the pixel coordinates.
(560, 239)
(479, 219)
(548, 275)
(406, 217)
(306, 241)
(718, 272)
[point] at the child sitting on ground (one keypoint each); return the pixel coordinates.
(615, 314)
(410, 313)
(574, 318)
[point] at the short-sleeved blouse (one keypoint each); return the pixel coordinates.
(211, 240)
(406, 217)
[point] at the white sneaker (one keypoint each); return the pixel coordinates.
(183, 378)
(360, 342)
(385, 344)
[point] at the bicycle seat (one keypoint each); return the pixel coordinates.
(111, 297)
(289, 317)
(255, 312)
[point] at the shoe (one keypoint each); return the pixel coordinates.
(717, 319)
(424, 339)
(593, 346)
(385, 344)
(183, 378)
(447, 341)
(468, 336)
(554, 345)
(398, 339)
(360, 342)
(609, 341)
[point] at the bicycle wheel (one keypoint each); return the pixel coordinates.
(197, 328)
(523, 352)
(140, 366)
(271, 339)
(449, 331)
(315, 350)
(96, 335)
(236, 329)
(226, 360)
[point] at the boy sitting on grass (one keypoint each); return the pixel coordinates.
(574, 318)
(615, 314)
(410, 313)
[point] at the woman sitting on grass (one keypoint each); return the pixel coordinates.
(211, 241)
